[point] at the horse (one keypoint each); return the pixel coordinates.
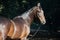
(19, 26)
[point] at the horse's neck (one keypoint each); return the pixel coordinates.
(28, 17)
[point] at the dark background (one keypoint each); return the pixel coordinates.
(12, 8)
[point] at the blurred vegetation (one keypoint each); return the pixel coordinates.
(12, 8)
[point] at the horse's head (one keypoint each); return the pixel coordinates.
(40, 13)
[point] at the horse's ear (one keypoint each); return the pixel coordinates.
(38, 4)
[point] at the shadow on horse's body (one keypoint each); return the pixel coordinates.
(19, 27)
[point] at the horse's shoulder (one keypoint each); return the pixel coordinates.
(19, 20)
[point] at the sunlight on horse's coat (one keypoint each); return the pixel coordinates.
(25, 15)
(14, 29)
(2, 27)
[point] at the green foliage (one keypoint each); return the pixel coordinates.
(13, 8)
(1, 7)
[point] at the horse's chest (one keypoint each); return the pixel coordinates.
(19, 29)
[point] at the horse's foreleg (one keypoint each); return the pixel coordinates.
(25, 33)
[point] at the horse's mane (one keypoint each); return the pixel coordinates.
(24, 14)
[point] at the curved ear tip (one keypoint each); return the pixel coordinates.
(38, 4)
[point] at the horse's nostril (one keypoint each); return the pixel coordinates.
(43, 22)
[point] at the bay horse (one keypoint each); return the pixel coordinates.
(19, 26)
